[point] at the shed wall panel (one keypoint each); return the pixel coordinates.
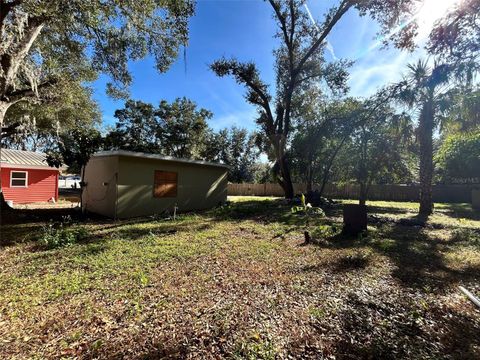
(199, 187)
(100, 193)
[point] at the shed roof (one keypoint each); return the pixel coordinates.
(157, 157)
(20, 158)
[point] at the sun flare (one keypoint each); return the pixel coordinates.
(430, 11)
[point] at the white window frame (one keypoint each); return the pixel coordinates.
(11, 179)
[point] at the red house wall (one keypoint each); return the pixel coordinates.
(42, 186)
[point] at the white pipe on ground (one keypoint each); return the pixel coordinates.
(472, 297)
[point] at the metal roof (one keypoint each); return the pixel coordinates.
(20, 158)
(156, 157)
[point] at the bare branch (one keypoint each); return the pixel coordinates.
(342, 9)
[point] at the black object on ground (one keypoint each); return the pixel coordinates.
(354, 219)
(314, 198)
(308, 239)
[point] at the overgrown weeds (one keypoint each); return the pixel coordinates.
(64, 233)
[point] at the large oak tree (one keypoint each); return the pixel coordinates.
(299, 61)
(45, 42)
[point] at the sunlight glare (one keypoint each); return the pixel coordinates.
(430, 11)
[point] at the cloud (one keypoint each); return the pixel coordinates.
(381, 67)
(375, 66)
(368, 76)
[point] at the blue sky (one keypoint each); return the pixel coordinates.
(245, 29)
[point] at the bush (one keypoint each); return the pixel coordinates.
(307, 208)
(458, 159)
(58, 235)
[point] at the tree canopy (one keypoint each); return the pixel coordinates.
(458, 159)
(43, 43)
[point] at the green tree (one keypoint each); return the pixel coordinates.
(183, 129)
(176, 129)
(35, 125)
(262, 173)
(236, 148)
(426, 89)
(319, 136)
(378, 150)
(463, 113)
(458, 158)
(43, 43)
(137, 129)
(299, 62)
(215, 145)
(455, 39)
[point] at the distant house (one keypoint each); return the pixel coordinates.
(26, 177)
(123, 184)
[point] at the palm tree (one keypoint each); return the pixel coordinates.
(425, 90)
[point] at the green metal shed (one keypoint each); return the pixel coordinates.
(124, 184)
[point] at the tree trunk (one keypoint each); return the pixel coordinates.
(82, 187)
(426, 125)
(3, 204)
(363, 194)
(330, 164)
(286, 180)
(309, 177)
(3, 111)
(324, 181)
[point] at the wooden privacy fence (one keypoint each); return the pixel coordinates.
(441, 193)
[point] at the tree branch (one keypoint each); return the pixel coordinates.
(265, 103)
(19, 95)
(342, 9)
(281, 20)
(11, 62)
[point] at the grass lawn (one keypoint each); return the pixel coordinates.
(236, 282)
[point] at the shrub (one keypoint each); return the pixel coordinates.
(307, 208)
(459, 157)
(58, 235)
(324, 232)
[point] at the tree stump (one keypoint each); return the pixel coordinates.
(354, 219)
(308, 239)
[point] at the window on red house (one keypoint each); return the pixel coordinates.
(18, 179)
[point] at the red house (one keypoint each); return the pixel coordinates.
(26, 177)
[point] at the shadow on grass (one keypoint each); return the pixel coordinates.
(351, 263)
(389, 329)
(29, 216)
(267, 212)
(160, 230)
(458, 211)
(417, 255)
(388, 210)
